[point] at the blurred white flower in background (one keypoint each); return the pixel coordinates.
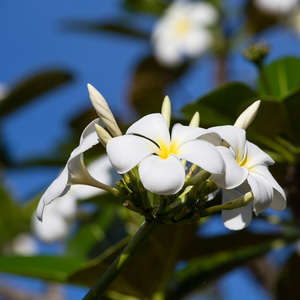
(183, 31)
(59, 215)
(276, 7)
(24, 244)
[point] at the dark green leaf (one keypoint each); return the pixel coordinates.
(156, 262)
(292, 106)
(93, 233)
(210, 267)
(31, 88)
(43, 267)
(280, 78)
(118, 26)
(145, 6)
(288, 283)
(147, 91)
(222, 106)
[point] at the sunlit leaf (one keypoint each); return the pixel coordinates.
(223, 105)
(49, 268)
(280, 78)
(32, 87)
(95, 234)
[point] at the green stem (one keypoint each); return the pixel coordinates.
(265, 80)
(122, 260)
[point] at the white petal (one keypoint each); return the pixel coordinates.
(153, 127)
(162, 176)
(234, 174)
(74, 172)
(256, 156)
(203, 154)
(262, 192)
(56, 188)
(279, 197)
(182, 134)
(126, 151)
(235, 219)
(235, 137)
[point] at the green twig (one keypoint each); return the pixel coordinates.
(122, 260)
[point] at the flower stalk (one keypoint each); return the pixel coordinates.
(129, 252)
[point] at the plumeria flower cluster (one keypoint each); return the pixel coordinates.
(170, 176)
(184, 31)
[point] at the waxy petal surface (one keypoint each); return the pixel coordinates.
(181, 134)
(235, 219)
(255, 156)
(162, 176)
(262, 192)
(279, 197)
(235, 137)
(126, 151)
(153, 127)
(202, 154)
(234, 174)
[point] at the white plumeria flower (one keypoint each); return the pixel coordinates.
(183, 31)
(75, 171)
(276, 7)
(246, 169)
(148, 143)
(59, 215)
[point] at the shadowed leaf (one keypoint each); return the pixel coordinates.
(31, 88)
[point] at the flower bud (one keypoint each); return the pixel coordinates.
(195, 121)
(103, 111)
(257, 52)
(166, 110)
(246, 118)
(103, 135)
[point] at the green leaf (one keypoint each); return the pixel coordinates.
(280, 78)
(31, 88)
(212, 266)
(146, 6)
(49, 268)
(223, 105)
(93, 233)
(156, 262)
(292, 107)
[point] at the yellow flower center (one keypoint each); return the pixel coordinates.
(165, 151)
(182, 27)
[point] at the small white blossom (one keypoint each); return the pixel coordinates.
(183, 31)
(246, 170)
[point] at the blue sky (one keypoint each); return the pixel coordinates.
(32, 38)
